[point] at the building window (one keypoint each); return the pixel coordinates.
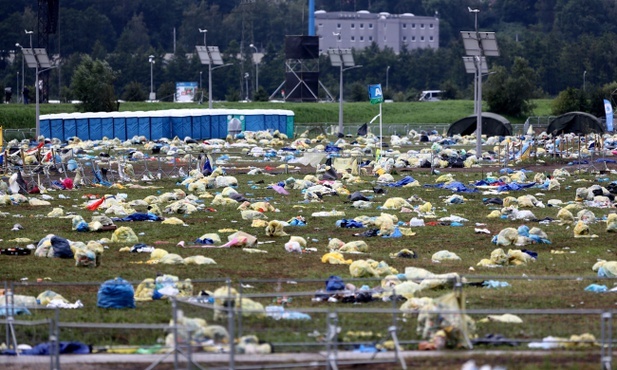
(422, 38)
(404, 25)
(370, 25)
(320, 24)
(353, 39)
(422, 25)
(362, 25)
(430, 38)
(413, 38)
(404, 38)
(353, 26)
(361, 38)
(338, 25)
(430, 25)
(413, 25)
(385, 39)
(370, 38)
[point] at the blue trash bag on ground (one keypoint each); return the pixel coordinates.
(61, 247)
(349, 224)
(116, 293)
(402, 182)
(334, 283)
(44, 349)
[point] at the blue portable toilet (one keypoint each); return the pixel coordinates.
(107, 123)
(206, 126)
(180, 123)
(160, 124)
(95, 126)
(194, 123)
(144, 125)
(119, 122)
(195, 115)
(132, 124)
(57, 126)
(44, 124)
(82, 126)
(70, 128)
(218, 125)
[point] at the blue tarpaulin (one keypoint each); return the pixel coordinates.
(139, 217)
(404, 181)
(455, 186)
(513, 186)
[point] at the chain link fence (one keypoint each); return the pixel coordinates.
(274, 323)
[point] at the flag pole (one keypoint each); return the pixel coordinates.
(380, 131)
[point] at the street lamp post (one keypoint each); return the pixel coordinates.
(39, 60)
(209, 85)
(478, 94)
(30, 33)
(246, 83)
(256, 69)
(21, 92)
(387, 75)
(479, 45)
(201, 92)
(205, 32)
(584, 80)
(209, 55)
(151, 61)
(340, 103)
(210, 69)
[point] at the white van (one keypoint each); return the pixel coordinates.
(430, 95)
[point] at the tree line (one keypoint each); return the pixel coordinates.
(547, 47)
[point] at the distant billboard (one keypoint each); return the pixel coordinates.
(185, 91)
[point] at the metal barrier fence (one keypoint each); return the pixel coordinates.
(18, 133)
(304, 324)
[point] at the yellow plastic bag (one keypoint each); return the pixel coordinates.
(611, 223)
(47, 296)
(581, 230)
(125, 235)
(275, 228)
(335, 258)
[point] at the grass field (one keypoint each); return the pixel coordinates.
(556, 280)
(13, 116)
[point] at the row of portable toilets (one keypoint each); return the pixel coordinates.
(194, 123)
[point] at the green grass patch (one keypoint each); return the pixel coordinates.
(14, 116)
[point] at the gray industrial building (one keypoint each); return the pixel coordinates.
(358, 30)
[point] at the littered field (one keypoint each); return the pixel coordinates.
(552, 271)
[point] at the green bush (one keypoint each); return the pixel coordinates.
(166, 91)
(134, 91)
(570, 100)
(261, 95)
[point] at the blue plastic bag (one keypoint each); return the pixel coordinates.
(334, 283)
(596, 288)
(116, 293)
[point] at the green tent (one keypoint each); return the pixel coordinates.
(580, 123)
